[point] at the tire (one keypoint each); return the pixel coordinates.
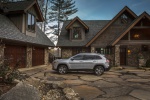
(99, 70)
(62, 69)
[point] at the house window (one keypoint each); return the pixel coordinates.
(144, 47)
(76, 33)
(104, 50)
(31, 22)
(124, 19)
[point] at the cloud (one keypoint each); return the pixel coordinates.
(140, 3)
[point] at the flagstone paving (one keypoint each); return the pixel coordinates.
(123, 84)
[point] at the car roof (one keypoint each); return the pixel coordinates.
(89, 54)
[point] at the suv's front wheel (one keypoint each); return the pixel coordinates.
(98, 70)
(62, 69)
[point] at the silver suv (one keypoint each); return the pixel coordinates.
(82, 62)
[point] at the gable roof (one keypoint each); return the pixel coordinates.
(119, 36)
(23, 6)
(94, 27)
(106, 26)
(77, 19)
(8, 31)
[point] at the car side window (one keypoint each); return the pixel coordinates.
(97, 57)
(78, 57)
(89, 57)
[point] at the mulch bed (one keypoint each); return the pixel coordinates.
(4, 87)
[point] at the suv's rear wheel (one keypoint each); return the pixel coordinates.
(62, 69)
(99, 70)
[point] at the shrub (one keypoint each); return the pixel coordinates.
(7, 73)
(148, 63)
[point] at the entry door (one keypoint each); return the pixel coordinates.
(37, 56)
(123, 56)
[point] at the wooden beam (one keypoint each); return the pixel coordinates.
(127, 42)
(140, 27)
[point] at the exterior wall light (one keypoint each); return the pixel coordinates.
(129, 52)
(136, 35)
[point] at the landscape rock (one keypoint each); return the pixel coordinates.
(53, 94)
(70, 94)
(21, 91)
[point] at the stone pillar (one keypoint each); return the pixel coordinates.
(46, 56)
(117, 55)
(92, 49)
(29, 57)
(141, 62)
(2, 53)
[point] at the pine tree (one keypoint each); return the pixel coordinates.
(60, 11)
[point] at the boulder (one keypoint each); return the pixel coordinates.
(21, 91)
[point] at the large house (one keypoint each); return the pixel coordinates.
(122, 39)
(20, 37)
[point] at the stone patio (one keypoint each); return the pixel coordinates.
(125, 84)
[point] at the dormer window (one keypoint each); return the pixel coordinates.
(124, 19)
(31, 22)
(76, 33)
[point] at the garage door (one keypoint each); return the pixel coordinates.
(37, 56)
(13, 54)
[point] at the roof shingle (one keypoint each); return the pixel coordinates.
(94, 27)
(10, 32)
(18, 6)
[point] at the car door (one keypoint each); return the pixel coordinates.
(88, 61)
(76, 62)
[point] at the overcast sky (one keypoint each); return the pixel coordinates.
(107, 9)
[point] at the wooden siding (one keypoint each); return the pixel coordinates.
(37, 56)
(33, 11)
(13, 54)
(133, 42)
(142, 29)
(111, 32)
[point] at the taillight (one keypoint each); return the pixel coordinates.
(107, 60)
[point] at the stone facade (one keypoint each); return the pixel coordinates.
(117, 55)
(111, 59)
(66, 52)
(46, 57)
(92, 49)
(133, 59)
(1, 53)
(29, 57)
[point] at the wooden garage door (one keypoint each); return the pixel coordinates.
(13, 54)
(37, 56)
